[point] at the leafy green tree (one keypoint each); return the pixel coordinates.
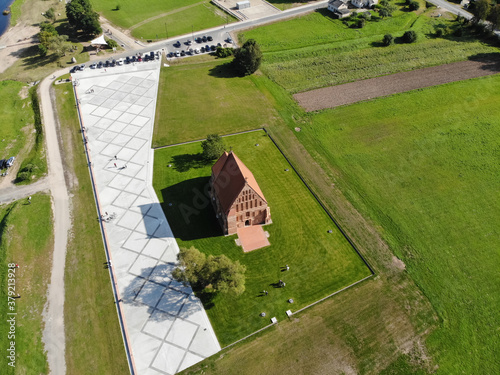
(388, 40)
(57, 43)
(213, 147)
(82, 16)
(50, 14)
(481, 10)
(384, 13)
(410, 36)
(494, 16)
(42, 50)
(47, 32)
(111, 43)
(247, 59)
(218, 273)
(414, 5)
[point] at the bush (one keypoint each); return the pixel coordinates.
(439, 32)
(388, 39)
(413, 5)
(360, 23)
(224, 52)
(23, 176)
(383, 12)
(410, 36)
(112, 43)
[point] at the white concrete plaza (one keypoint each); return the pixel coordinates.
(167, 326)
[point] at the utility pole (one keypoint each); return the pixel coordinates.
(166, 30)
(192, 31)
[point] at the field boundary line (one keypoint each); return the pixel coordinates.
(201, 140)
(118, 300)
(254, 333)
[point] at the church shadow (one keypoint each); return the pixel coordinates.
(185, 162)
(189, 211)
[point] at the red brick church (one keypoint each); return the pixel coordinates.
(236, 196)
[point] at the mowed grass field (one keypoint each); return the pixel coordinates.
(315, 50)
(25, 239)
(197, 99)
(320, 262)
(424, 167)
(94, 343)
(155, 18)
(16, 117)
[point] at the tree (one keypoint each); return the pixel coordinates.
(494, 17)
(81, 16)
(47, 32)
(111, 43)
(50, 14)
(388, 39)
(213, 147)
(383, 12)
(413, 5)
(57, 43)
(481, 10)
(410, 36)
(218, 273)
(247, 59)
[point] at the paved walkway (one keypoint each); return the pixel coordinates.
(252, 238)
(167, 325)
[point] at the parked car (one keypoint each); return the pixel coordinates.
(107, 64)
(213, 47)
(10, 162)
(93, 66)
(197, 50)
(202, 49)
(119, 62)
(139, 58)
(204, 38)
(229, 40)
(74, 69)
(219, 45)
(207, 48)
(209, 38)
(198, 40)
(152, 55)
(133, 58)
(183, 53)
(177, 44)
(177, 54)
(82, 67)
(2, 163)
(189, 42)
(99, 65)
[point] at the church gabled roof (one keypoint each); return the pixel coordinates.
(230, 178)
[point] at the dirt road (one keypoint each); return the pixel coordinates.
(334, 96)
(53, 335)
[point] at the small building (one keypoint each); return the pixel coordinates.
(236, 196)
(243, 4)
(339, 8)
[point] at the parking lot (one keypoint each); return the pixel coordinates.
(198, 44)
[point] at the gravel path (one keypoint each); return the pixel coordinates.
(334, 96)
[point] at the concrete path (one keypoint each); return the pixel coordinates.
(53, 334)
(167, 327)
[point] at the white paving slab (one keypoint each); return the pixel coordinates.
(168, 328)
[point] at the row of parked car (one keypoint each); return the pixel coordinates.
(195, 51)
(7, 163)
(153, 55)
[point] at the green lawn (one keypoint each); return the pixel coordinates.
(178, 17)
(94, 343)
(315, 51)
(17, 117)
(424, 167)
(25, 239)
(320, 262)
(210, 99)
(202, 16)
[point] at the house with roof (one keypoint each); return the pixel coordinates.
(339, 8)
(364, 3)
(236, 196)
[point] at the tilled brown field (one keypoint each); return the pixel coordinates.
(334, 96)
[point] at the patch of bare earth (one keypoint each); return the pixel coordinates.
(334, 96)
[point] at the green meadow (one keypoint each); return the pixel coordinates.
(320, 262)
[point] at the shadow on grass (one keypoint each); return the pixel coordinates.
(185, 162)
(223, 71)
(189, 211)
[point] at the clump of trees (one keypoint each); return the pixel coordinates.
(213, 147)
(486, 10)
(247, 59)
(50, 40)
(215, 273)
(82, 16)
(413, 5)
(385, 9)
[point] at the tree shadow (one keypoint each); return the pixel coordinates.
(189, 210)
(491, 60)
(223, 71)
(185, 162)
